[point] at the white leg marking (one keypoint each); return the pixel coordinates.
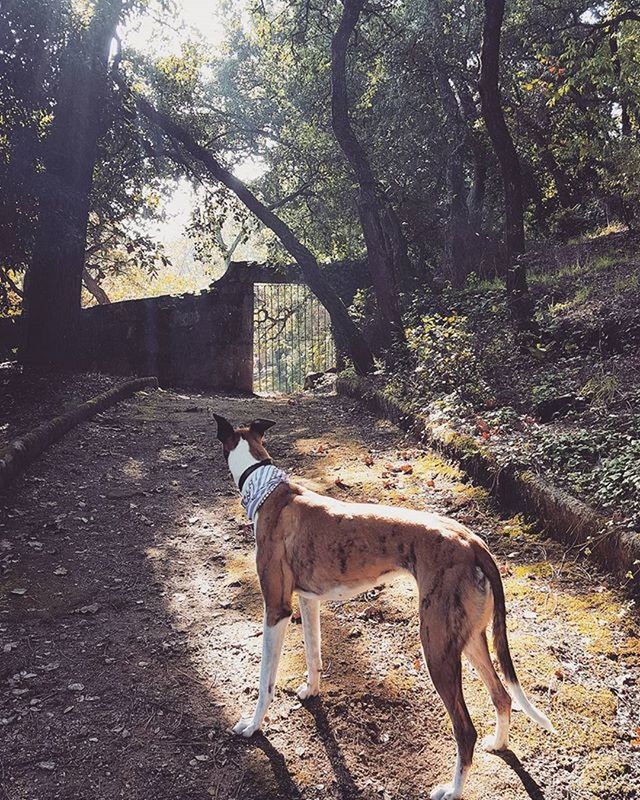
(310, 611)
(500, 739)
(453, 790)
(272, 640)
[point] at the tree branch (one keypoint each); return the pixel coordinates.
(347, 331)
(12, 285)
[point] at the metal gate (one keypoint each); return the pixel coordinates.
(292, 337)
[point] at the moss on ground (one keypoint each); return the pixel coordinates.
(604, 775)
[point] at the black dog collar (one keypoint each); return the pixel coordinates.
(251, 469)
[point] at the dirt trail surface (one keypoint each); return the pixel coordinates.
(130, 628)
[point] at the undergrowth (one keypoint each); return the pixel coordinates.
(464, 361)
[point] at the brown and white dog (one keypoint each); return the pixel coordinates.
(325, 549)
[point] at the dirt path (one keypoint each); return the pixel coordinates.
(136, 643)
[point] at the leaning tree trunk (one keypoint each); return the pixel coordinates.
(347, 333)
(94, 288)
(507, 157)
(53, 283)
(386, 246)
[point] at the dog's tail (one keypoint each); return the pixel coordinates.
(492, 573)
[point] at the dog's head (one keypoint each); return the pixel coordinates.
(243, 447)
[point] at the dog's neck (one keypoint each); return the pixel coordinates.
(240, 459)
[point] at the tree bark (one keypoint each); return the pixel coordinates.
(506, 154)
(461, 244)
(475, 198)
(92, 286)
(349, 337)
(386, 247)
(54, 280)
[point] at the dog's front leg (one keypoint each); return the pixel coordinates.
(310, 611)
(272, 641)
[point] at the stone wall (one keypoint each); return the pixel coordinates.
(200, 341)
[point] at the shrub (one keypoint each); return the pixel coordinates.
(446, 357)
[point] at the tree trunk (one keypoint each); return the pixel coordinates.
(617, 71)
(92, 286)
(461, 245)
(475, 198)
(54, 280)
(386, 247)
(347, 333)
(507, 157)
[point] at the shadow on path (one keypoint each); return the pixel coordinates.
(532, 788)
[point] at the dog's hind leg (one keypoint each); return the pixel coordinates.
(477, 651)
(310, 611)
(441, 641)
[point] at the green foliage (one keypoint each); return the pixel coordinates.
(458, 342)
(446, 356)
(601, 465)
(616, 479)
(550, 386)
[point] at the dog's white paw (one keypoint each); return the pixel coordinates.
(245, 727)
(305, 691)
(444, 792)
(491, 746)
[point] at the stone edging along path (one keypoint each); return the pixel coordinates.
(25, 449)
(564, 517)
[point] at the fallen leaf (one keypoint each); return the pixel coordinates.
(19, 591)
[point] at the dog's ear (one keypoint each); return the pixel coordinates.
(225, 428)
(259, 426)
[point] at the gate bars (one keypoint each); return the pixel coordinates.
(292, 337)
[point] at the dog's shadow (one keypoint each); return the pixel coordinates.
(346, 785)
(532, 788)
(347, 788)
(286, 784)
